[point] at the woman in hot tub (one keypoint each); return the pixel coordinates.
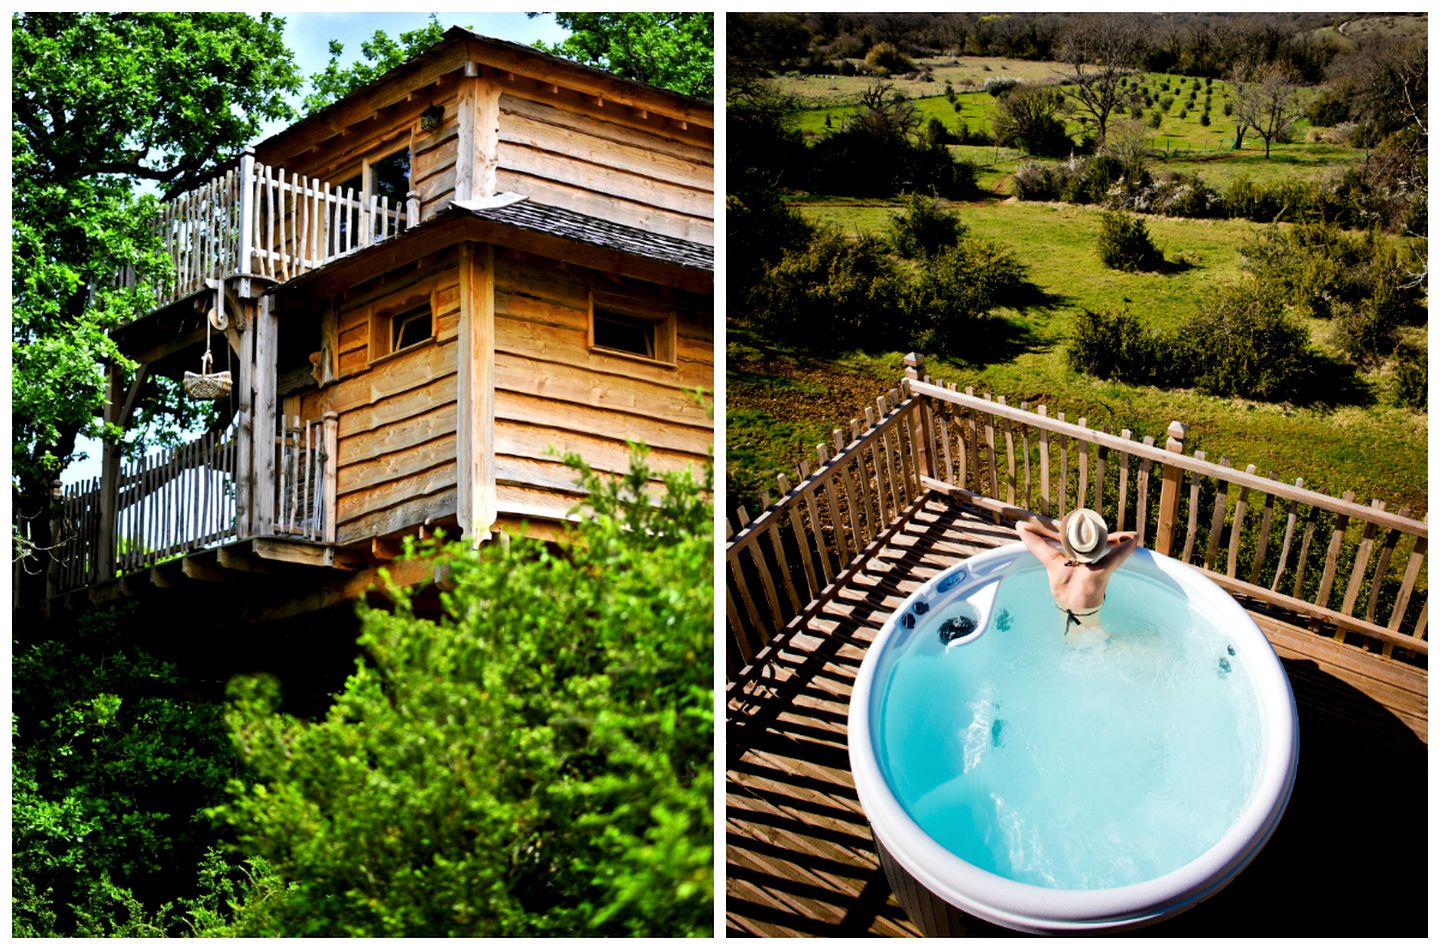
(1079, 558)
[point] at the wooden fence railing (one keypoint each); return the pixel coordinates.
(184, 500)
(257, 220)
(304, 491)
(1355, 571)
(778, 564)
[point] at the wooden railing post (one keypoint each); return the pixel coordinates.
(920, 434)
(412, 209)
(246, 251)
(332, 451)
(1170, 489)
(54, 576)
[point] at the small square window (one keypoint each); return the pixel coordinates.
(637, 328)
(409, 328)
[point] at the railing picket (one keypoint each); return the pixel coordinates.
(1290, 521)
(1332, 555)
(1124, 482)
(1100, 453)
(847, 488)
(1217, 517)
(1044, 465)
(1301, 561)
(1237, 526)
(1082, 467)
(1062, 508)
(1407, 585)
(1193, 522)
(1025, 454)
(1264, 541)
(1362, 561)
(1009, 459)
(1382, 567)
(791, 506)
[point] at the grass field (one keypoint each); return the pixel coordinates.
(780, 402)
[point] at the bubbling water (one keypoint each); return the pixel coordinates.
(1068, 766)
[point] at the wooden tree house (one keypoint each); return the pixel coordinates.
(426, 293)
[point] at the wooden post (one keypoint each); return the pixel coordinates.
(412, 208)
(54, 573)
(110, 478)
(244, 260)
(921, 434)
(262, 429)
(478, 135)
(332, 452)
(475, 393)
(1170, 489)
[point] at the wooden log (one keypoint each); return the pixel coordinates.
(1237, 525)
(1122, 495)
(1407, 585)
(1044, 465)
(1082, 465)
(1142, 482)
(1362, 561)
(1332, 555)
(1194, 519)
(1217, 518)
(1266, 518)
(1062, 506)
(1169, 489)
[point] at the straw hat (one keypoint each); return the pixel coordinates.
(1083, 535)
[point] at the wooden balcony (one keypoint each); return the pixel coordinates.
(813, 578)
(194, 498)
(257, 221)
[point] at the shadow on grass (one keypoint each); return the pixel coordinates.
(991, 340)
(1331, 382)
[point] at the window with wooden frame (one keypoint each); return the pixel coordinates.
(385, 176)
(630, 327)
(400, 328)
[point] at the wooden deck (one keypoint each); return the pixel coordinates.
(1348, 858)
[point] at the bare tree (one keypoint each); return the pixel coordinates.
(1098, 53)
(1266, 102)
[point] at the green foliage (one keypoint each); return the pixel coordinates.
(831, 291)
(1242, 344)
(1114, 344)
(103, 102)
(537, 761)
(924, 227)
(1410, 383)
(1028, 119)
(674, 51)
(1124, 243)
(381, 54)
(884, 59)
(955, 290)
(111, 764)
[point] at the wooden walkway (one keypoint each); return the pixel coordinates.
(799, 858)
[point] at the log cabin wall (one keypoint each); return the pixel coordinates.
(608, 162)
(554, 390)
(396, 466)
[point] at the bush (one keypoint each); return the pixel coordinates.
(1409, 382)
(1155, 120)
(884, 59)
(924, 228)
(1034, 182)
(1124, 243)
(1029, 120)
(1113, 344)
(538, 762)
(1242, 344)
(956, 289)
(831, 292)
(1000, 86)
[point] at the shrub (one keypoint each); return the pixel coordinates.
(884, 59)
(538, 762)
(1034, 182)
(1409, 381)
(1113, 344)
(957, 288)
(1242, 344)
(1000, 86)
(1155, 120)
(924, 228)
(1205, 119)
(1029, 119)
(1124, 243)
(831, 292)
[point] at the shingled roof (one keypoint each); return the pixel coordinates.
(562, 222)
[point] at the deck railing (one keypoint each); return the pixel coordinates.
(256, 220)
(183, 500)
(1351, 570)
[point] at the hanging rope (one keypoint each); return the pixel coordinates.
(205, 384)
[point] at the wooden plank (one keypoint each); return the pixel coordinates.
(1217, 518)
(797, 528)
(1194, 518)
(1123, 494)
(1237, 525)
(1407, 585)
(1044, 465)
(1082, 464)
(1332, 555)
(1362, 561)
(475, 419)
(1062, 507)
(1266, 518)
(1009, 459)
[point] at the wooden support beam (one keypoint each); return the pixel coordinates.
(478, 138)
(475, 412)
(385, 549)
(235, 559)
(262, 438)
(304, 552)
(406, 573)
(195, 568)
(166, 576)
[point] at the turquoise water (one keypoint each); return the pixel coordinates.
(1071, 767)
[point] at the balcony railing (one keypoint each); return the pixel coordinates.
(256, 220)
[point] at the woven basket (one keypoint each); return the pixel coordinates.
(207, 385)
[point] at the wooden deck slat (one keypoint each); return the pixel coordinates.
(800, 861)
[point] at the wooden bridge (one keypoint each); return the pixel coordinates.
(933, 476)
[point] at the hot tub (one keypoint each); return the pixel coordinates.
(1055, 785)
